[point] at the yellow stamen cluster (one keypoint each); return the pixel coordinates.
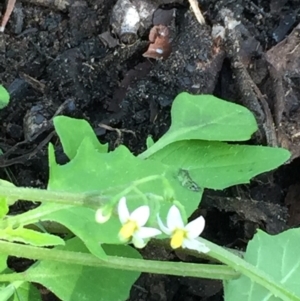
(128, 229)
(177, 238)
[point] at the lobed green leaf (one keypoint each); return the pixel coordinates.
(66, 128)
(279, 257)
(91, 171)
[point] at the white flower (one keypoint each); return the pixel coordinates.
(133, 224)
(181, 235)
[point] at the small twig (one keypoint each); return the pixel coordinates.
(34, 83)
(118, 131)
(4, 159)
(27, 156)
(195, 8)
(9, 8)
(279, 97)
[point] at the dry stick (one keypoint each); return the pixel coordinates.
(279, 98)
(9, 8)
(197, 11)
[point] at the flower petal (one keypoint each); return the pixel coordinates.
(138, 242)
(191, 244)
(194, 244)
(123, 210)
(174, 219)
(195, 227)
(163, 227)
(147, 232)
(140, 215)
(204, 249)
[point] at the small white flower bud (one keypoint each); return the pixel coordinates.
(103, 215)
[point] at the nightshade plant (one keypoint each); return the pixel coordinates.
(91, 255)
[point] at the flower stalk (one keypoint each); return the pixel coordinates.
(92, 199)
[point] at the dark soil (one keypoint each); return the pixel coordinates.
(53, 62)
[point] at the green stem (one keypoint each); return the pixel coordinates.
(90, 199)
(148, 266)
(247, 269)
(94, 200)
(13, 277)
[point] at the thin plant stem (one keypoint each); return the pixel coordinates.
(91, 199)
(209, 271)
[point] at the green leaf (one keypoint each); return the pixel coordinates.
(218, 165)
(278, 256)
(3, 262)
(30, 237)
(66, 128)
(7, 291)
(19, 291)
(5, 201)
(71, 282)
(3, 207)
(149, 141)
(205, 117)
(81, 221)
(25, 292)
(4, 97)
(92, 171)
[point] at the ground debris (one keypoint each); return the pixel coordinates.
(239, 46)
(193, 66)
(130, 17)
(293, 204)
(284, 60)
(160, 47)
(268, 216)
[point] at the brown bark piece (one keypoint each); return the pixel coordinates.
(271, 217)
(251, 96)
(284, 60)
